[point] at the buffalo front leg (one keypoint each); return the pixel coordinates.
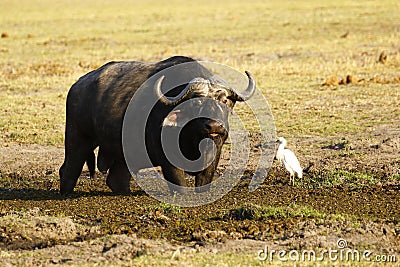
(203, 181)
(176, 177)
(118, 178)
(204, 178)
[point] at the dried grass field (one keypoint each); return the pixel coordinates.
(330, 71)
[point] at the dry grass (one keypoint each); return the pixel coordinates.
(291, 48)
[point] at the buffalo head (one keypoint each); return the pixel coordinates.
(200, 114)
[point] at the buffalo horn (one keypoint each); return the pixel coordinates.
(171, 101)
(246, 94)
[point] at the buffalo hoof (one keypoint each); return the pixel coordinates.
(121, 191)
(118, 179)
(202, 189)
(176, 189)
(64, 192)
(118, 187)
(125, 193)
(66, 187)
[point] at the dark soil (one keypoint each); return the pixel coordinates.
(365, 212)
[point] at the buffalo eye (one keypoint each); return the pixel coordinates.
(222, 98)
(225, 100)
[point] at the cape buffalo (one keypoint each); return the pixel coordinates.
(97, 103)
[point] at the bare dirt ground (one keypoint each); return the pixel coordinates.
(38, 228)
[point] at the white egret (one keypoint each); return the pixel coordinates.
(289, 160)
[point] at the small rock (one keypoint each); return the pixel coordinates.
(345, 35)
(361, 231)
(5, 35)
(310, 233)
(387, 231)
(176, 254)
(351, 79)
(397, 231)
(349, 229)
(331, 81)
(382, 57)
(235, 235)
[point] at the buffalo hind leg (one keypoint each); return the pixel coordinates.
(72, 168)
(91, 163)
(103, 161)
(118, 178)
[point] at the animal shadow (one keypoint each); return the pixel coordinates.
(52, 194)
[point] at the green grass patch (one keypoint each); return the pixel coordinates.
(165, 208)
(256, 212)
(332, 178)
(396, 177)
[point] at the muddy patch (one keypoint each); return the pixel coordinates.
(347, 192)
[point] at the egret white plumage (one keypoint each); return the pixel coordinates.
(289, 160)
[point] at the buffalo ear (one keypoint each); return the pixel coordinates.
(171, 119)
